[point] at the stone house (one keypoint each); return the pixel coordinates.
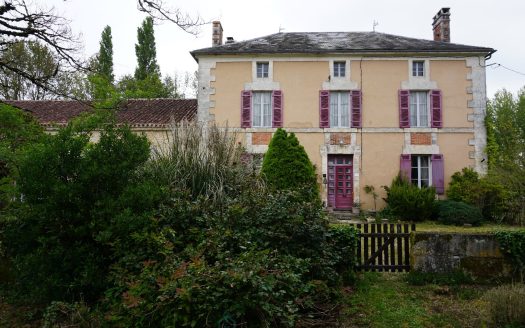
(365, 105)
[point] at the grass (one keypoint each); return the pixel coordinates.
(431, 226)
(387, 300)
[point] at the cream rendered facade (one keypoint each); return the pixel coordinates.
(376, 147)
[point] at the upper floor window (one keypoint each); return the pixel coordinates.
(339, 69)
(420, 170)
(418, 68)
(262, 69)
(419, 109)
(262, 109)
(339, 109)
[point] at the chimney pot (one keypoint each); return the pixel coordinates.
(441, 25)
(216, 34)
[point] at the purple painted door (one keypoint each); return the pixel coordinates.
(340, 181)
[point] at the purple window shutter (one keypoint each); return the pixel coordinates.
(438, 173)
(246, 109)
(356, 105)
(277, 102)
(436, 110)
(324, 109)
(404, 108)
(405, 166)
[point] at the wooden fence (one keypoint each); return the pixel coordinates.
(384, 247)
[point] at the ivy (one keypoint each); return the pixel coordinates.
(512, 244)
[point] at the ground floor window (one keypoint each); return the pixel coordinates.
(421, 170)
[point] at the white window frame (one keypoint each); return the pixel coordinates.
(264, 74)
(339, 68)
(418, 105)
(418, 179)
(258, 109)
(416, 64)
(342, 109)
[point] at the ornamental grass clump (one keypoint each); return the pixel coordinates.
(505, 305)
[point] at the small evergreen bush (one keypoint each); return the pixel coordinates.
(286, 165)
(409, 202)
(458, 213)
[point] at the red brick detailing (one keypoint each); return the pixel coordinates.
(340, 138)
(420, 139)
(261, 138)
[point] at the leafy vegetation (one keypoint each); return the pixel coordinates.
(101, 226)
(505, 122)
(458, 213)
(512, 243)
(409, 202)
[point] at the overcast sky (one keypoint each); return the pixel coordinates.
(496, 24)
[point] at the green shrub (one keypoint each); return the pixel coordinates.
(409, 202)
(343, 239)
(58, 236)
(486, 193)
(286, 165)
(505, 305)
(458, 213)
(512, 243)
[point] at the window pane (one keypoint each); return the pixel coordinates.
(334, 109)
(423, 110)
(424, 161)
(257, 120)
(413, 109)
(331, 191)
(415, 173)
(344, 109)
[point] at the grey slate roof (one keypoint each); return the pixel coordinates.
(337, 42)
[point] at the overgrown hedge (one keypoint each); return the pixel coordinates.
(409, 202)
(187, 238)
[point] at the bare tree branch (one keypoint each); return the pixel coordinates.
(160, 12)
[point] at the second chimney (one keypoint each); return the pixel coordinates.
(216, 36)
(441, 25)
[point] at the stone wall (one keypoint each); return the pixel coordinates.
(478, 255)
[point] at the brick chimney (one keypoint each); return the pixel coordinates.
(216, 36)
(441, 25)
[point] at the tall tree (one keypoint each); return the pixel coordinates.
(146, 51)
(22, 20)
(105, 56)
(37, 61)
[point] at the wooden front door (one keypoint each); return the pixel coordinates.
(340, 181)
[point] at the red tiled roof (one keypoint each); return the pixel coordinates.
(135, 112)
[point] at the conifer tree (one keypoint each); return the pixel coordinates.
(146, 52)
(105, 55)
(287, 166)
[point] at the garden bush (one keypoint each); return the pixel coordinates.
(286, 165)
(458, 213)
(409, 202)
(512, 244)
(505, 305)
(486, 193)
(189, 237)
(57, 236)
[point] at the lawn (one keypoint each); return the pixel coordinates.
(387, 300)
(432, 226)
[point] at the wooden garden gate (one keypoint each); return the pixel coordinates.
(384, 247)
